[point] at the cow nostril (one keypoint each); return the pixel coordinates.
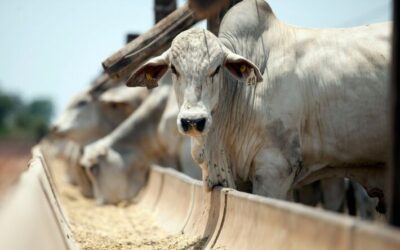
(185, 123)
(200, 124)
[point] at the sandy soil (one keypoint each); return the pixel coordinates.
(14, 158)
(115, 227)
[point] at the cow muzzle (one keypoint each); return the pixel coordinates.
(193, 124)
(194, 120)
(57, 132)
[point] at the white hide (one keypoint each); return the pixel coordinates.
(320, 108)
(118, 163)
(91, 115)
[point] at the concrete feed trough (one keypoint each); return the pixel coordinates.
(33, 216)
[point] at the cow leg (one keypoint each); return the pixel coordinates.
(351, 199)
(333, 194)
(365, 204)
(273, 175)
(371, 177)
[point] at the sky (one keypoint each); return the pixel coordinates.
(54, 49)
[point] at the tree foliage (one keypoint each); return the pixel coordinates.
(19, 118)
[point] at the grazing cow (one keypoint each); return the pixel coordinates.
(118, 163)
(316, 106)
(91, 115)
(95, 112)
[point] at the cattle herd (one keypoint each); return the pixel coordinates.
(280, 111)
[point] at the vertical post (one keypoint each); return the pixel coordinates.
(394, 172)
(163, 8)
(214, 21)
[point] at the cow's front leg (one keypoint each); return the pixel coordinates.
(273, 174)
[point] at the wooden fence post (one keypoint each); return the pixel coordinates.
(163, 8)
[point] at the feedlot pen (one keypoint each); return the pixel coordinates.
(173, 212)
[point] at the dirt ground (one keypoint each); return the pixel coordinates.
(114, 227)
(14, 158)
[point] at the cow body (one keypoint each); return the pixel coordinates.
(91, 115)
(323, 102)
(316, 107)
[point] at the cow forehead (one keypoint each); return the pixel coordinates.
(196, 50)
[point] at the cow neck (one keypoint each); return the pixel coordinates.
(231, 144)
(237, 133)
(108, 123)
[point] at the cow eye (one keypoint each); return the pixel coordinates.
(215, 71)
(174, 71)
(94, 169)
(81, 103)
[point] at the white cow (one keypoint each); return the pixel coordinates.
(316, 105)
(118, 164)
(91, 115)
(97, 111)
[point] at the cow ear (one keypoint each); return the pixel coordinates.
(242, 69)
(150, 73)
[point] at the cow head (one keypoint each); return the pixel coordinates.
(91, 115)
(77, 120)
(197, 60)
(116, 175)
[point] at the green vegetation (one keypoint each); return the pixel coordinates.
(27, 120)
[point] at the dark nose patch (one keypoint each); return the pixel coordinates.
(185, 123)
(198, 124)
